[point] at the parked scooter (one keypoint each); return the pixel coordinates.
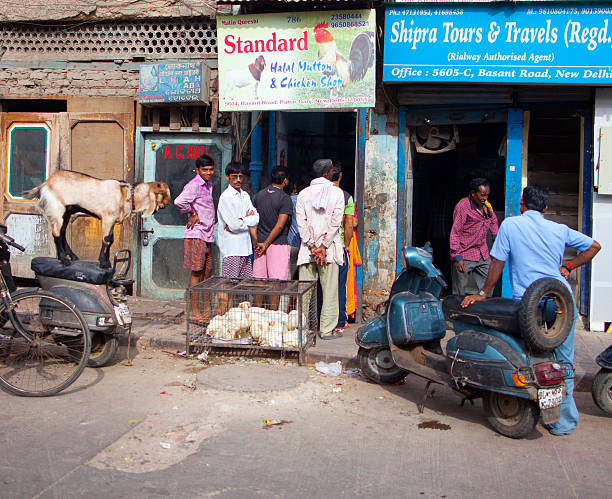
(100, 294)
(602, 384)
(487, 358)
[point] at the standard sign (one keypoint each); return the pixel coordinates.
(305, 60)
(499, 44)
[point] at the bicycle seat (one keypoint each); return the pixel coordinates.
(81, 271)
(495, 313)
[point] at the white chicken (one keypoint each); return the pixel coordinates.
(293, 320)
(220, 327)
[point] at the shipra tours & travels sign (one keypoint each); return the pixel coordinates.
(533, 43)
(305, 60)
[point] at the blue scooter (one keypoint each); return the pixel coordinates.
(489, 356)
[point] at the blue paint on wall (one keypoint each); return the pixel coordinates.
(271, 142)
(587, 207)
(256, 164)
(514, 159)
(401, 192)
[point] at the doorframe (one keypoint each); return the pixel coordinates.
(141, 134)
(405, 165)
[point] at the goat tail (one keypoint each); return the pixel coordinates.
(33, 193)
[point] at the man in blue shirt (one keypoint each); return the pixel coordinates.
(534, 249)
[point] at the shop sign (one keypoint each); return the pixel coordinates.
(304, 60)
(173, 82)
(499, 44)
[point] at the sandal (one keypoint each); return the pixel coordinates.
(336, 333)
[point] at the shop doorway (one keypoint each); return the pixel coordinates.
(441, 179)
(554, 152)
(309, 136)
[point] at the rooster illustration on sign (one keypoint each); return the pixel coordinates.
(360, 59)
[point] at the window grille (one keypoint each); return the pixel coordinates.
(117, 40)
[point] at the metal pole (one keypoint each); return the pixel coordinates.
(256, 164)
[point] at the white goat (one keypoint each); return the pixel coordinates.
(66, 192)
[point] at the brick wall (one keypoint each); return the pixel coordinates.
(43, 83)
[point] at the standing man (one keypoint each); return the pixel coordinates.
(319, 211)
(237, 229)
(346, 233)
(473, 219)
(271, 245)
(534, 249)
(197, 200)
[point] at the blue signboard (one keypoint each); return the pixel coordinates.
(527, 43)
(173, 82)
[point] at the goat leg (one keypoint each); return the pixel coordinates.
(104, 257)
(67, 251)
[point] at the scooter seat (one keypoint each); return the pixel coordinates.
(495, 313)
(80, 270)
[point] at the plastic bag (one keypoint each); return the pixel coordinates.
(329, 369)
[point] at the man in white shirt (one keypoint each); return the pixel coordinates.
(237, 225)
(319, 210)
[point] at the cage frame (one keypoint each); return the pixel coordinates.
(253, 286)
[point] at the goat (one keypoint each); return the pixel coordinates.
(66, 192)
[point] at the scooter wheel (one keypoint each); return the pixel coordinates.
(513, 417)
(602, 390)
(103, 349)
(537, 332)
(377, 364)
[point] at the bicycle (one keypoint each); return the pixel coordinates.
(37, 357)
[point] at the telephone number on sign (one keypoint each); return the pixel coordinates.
(349, 24)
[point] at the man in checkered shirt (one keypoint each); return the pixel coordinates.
(473, 218)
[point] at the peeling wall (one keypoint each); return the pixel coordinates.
(380, 209)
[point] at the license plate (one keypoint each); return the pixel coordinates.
(550, 397)
(123, 313)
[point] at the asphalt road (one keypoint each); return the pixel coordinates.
(115, 434)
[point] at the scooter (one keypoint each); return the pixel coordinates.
(100, 294)
(486, 358)
(602, 384)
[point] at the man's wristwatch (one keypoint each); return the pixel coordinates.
(482, 293)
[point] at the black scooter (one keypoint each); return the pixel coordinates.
(602, 384)
(100, 294)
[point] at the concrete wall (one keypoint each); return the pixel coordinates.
(380, 208)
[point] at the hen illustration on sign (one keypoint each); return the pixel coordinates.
(304, 60)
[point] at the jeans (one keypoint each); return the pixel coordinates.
(569, 412)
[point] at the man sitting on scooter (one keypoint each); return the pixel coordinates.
(534, 249)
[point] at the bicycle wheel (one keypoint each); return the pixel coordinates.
(44, 346)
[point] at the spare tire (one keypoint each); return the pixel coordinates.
(535, 329)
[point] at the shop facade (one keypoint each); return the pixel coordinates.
(509, 93)
(69, 99)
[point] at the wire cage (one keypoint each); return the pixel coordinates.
(252, 315)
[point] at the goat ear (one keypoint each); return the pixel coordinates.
(150, 209)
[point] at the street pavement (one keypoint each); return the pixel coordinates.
(170, 426)
(162, 324)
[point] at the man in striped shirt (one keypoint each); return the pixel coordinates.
(473, 218)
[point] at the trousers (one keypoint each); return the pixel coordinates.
(569, 412)
(327, 275)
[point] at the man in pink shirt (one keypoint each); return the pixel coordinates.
(473, 218)
(196, 199)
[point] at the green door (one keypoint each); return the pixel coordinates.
(171, 158)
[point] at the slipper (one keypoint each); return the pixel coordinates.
(336, 333)
(343, 327)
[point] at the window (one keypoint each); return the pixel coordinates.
(28, 157)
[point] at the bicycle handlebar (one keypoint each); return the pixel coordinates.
(11, 242)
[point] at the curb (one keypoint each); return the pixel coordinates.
(583, 381)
